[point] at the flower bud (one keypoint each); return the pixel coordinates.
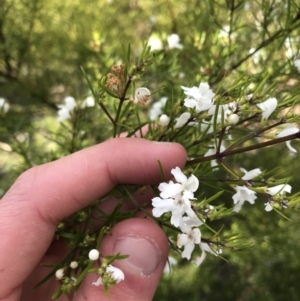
(73, 264)
(164, 120)
(59, 274)
(233, 119)
(94, 254)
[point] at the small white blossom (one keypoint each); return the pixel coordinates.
(268, 207)
(188, 239)
(173, 41)
(242, 194)
(65, 109)
(157, 107)
(94, 254)
(4, 105)
(249, 175)
(115, 274)
(178, 206)
(290, 129)
(281, 189)
(268, 107)
(200, 98)
(59, 274)
(142, 95)
(155, 43)
(184, 185)
(164, 120)
(88, 102)
(297, 64)
(183, 118)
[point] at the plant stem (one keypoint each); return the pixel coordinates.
(227, 153)
(255, 134)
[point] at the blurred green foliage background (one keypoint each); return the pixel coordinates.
(43, 44)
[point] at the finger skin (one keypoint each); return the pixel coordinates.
(46, 194)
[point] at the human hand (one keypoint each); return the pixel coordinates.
(44, 195)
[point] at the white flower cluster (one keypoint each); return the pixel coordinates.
(202, 99)
(156, 43)
(243, 193)
(65, 110)
(176, 198)
(108, 273)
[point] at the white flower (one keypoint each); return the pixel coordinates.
(268, 207)
(242, 194)
(59, 274)
(205, 248)
(164, 120)
(115, 274)
(73, 264)
(70, 103)
(184, 185)
(94, 254)
(297, 64)
(183, 118)
(173, 41)
(88, 102)
(199, 98)
(178, 206)
(142, 95)
(157, 107)
(290, 129)
(4, 105)
(268, 107)
(65, 110)
(281, 189)
(249, 175)
(155, 43)
(188, 239)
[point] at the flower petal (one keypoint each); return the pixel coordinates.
(288, 144)
(188, 249)
(179, 175)
(200, 259)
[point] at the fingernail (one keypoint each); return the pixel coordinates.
(144, 255)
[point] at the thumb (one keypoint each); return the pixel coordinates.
(147, 247)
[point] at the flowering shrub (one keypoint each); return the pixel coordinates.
(208, 125)
(222, 113)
